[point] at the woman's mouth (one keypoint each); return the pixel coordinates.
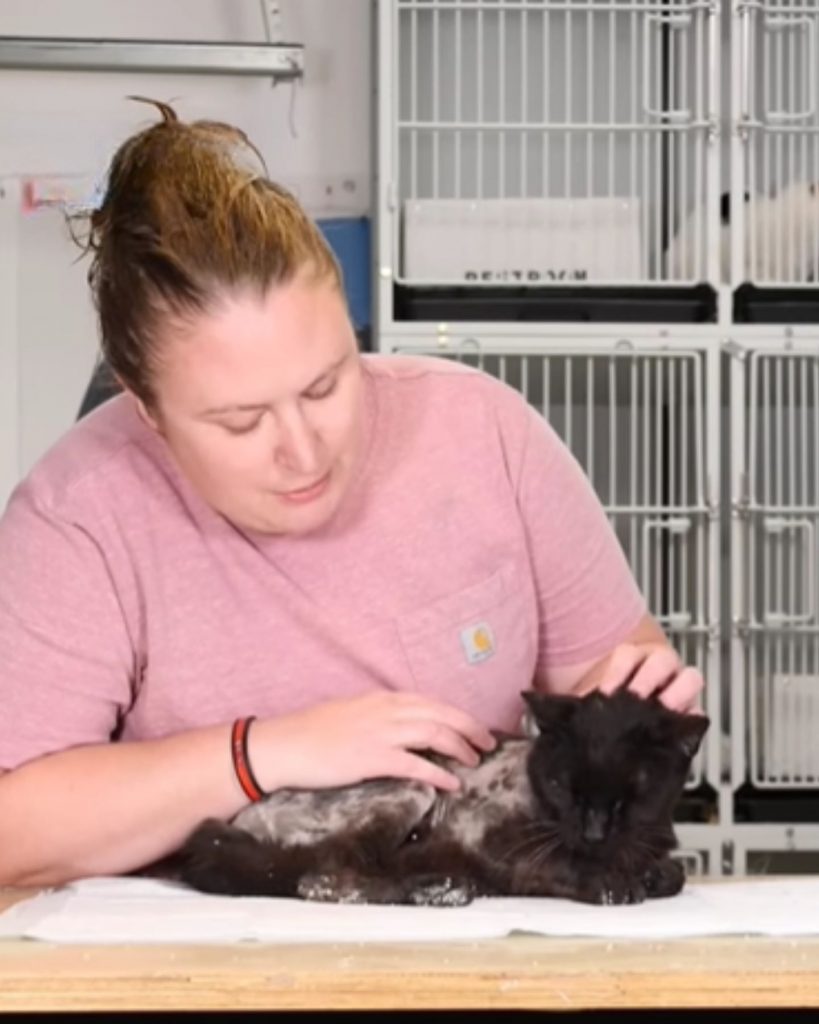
(302, 495)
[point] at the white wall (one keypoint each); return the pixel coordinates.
(63, 121)
(314, 135)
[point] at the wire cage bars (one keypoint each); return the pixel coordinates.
(533, 143)
(779, 561)
(635, 420)
(775, 201)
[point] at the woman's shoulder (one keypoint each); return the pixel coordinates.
(462, 413)
(428, 378)
(97, 447)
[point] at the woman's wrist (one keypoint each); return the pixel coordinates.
(269, 749)
(240, 757)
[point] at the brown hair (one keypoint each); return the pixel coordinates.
(188, 212)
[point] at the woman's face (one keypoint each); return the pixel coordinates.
(260, 401)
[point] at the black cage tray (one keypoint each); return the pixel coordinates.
(566, 303)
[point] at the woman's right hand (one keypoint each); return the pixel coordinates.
(341, 742)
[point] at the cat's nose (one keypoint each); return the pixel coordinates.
(595, 825)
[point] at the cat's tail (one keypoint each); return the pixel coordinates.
(220, 858)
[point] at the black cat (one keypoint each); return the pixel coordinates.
(582, 811)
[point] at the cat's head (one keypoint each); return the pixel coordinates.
(607, 771)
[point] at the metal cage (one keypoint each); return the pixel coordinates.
(776, 456)
(775, 849)
(700, 850)
(636, 421)
(537, 142)
(596, 126)
(775, 170)
(695, 862)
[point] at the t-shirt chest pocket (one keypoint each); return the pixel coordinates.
(474, 640)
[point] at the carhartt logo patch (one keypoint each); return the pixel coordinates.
(477, 642)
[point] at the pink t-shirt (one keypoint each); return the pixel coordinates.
(469, 555)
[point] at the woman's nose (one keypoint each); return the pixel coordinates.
(298, 446)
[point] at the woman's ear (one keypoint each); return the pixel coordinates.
(146, 415)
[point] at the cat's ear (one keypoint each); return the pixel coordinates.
(689, 731)
(548, 710)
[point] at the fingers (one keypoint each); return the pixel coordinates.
(624, 662)
(407, 765)
(425, 735)
(458, 721)
(654, 670)
(683, 693)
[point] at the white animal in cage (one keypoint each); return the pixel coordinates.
(781, 238)
(685, 256)
(792, 754)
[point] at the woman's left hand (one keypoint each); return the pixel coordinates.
(653, 668)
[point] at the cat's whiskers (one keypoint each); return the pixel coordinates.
(538, 827)
(520, 847)
(537, 857)
(542, 833)
(638, 858)
(649, 852)
(658, 830)
(649, 833)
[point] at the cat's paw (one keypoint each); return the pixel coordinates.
(664, 879)
(442, 892)
(329, 889)
(426, 892)
(623, 891)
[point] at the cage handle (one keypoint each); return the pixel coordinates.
(676, 525)
(677, 22)
(776, 526)
(808, 27)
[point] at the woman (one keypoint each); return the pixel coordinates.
(369, 556)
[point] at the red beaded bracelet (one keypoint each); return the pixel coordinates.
(241, 764)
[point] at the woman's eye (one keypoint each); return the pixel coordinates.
(241, 428)
(324, 391)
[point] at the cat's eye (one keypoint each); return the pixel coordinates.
(641, 779)
(420, 830)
